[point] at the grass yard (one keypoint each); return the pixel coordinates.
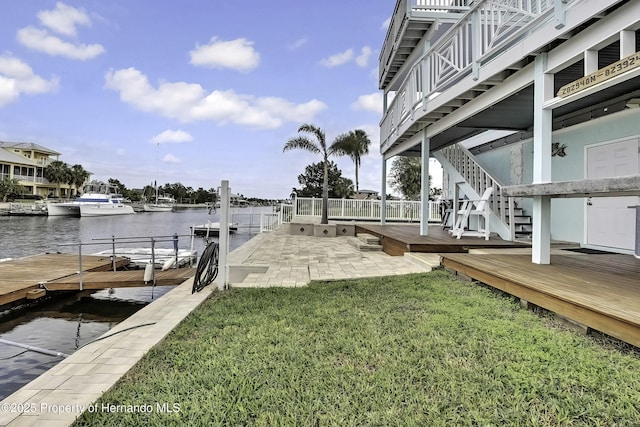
(416, 350)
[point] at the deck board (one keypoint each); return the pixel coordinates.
(120, 279)
(396, 239)
(599, 291)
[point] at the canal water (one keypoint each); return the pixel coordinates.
(67, 323)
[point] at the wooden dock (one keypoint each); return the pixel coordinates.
(601, 292)
(31, 277)
(396, 239)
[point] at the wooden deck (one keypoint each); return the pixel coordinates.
(601, 292)
(120, 279)
(21, 278)
(396, 239)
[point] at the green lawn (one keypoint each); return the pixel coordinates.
(416, 350)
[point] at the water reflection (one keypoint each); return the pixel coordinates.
(66, 323)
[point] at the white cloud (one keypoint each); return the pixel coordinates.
(188, 102)
(298, 44)
(17, 77)
(338, 59)
(371, 102)
(236, 54)
(347, 56)
(172, 136)
(363, 59)
(63, 19)
(386, 23)
(170, 158)
(42, 41)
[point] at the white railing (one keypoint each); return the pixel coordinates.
(406, 7)
(481, 34)
(349, 209)
(269, 221)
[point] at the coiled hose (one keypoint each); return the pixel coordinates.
(207, 268)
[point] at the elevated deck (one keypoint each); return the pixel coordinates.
(396, 239)
(601, 292)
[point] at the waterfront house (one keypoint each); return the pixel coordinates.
(537, 99)
(26, 161)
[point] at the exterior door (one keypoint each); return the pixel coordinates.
(610, 222)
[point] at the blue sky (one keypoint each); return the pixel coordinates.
(198, 90)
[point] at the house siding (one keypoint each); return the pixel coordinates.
(568, 216)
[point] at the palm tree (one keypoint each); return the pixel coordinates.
(57, 172)
(78, 176)
(354, 144)
(316, 145)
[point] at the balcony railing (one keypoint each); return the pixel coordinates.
(404, 9)
(26, 178)
(487, 29)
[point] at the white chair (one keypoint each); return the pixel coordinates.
(469, 208)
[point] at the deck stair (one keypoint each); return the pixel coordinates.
(508, 219)
(365, 242)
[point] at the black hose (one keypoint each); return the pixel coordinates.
(207, 269)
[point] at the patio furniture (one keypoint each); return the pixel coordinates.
(473, 208)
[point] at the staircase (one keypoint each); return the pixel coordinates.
(365, 242)
(507, 218)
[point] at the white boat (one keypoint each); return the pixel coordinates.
(97, 199)
(211, 229)
(162, 204)
(162, 258)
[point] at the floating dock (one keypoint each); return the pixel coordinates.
(35, 276)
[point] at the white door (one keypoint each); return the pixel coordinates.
(610, 222)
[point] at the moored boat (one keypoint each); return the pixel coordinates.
(161, 258)
(211, 229)
(97, 199)
(162, 204)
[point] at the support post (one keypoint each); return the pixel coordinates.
(80, 262)
(424, 188)
(542, 137)
(113, 252)
(383, 195)
(627, 43)
(541, 230)
(224, 236)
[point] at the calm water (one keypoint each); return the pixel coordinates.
(65, 324)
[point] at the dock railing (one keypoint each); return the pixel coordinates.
(350, 209)
(111, 241)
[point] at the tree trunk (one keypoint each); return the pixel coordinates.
(325, 194)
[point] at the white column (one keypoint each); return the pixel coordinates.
(224, 236)
(424, 187)
(542, 121)
(627, 43)
(383, 195)
(590, 61)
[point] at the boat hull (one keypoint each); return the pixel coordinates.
(158, 208)
(211, 229)
(63, 209)
(104, 209)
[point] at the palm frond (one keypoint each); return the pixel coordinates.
(301, 143)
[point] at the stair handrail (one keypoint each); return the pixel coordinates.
(479, 179)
